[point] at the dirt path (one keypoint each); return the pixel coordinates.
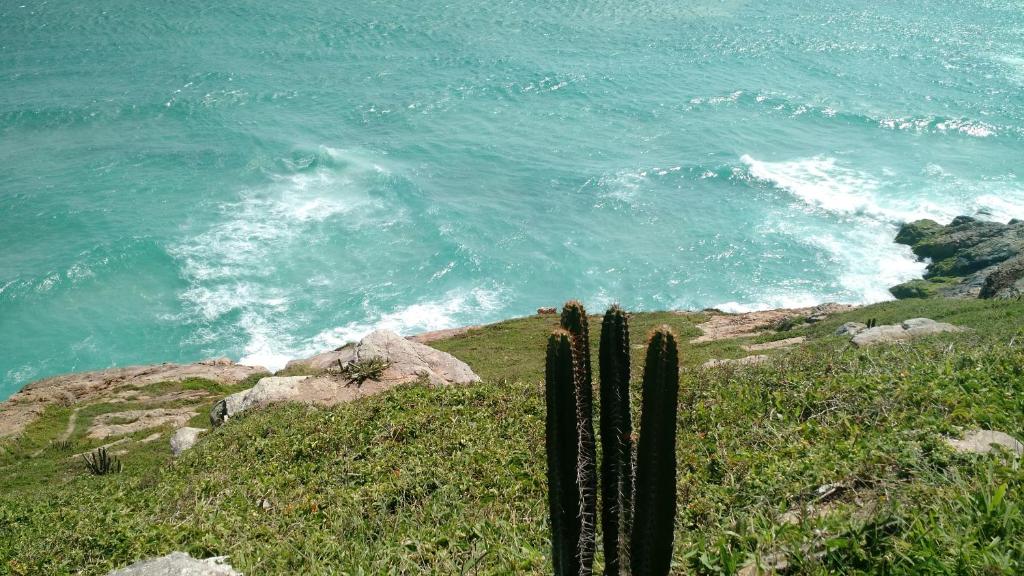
(70, 428)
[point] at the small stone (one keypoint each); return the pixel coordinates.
(178, 564)
(184, 439)
(547, 311)
(983, 441)
(745, 361)
(851, 328)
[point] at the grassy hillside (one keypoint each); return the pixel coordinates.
(451, 481)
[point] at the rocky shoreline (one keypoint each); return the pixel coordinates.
(969, 258)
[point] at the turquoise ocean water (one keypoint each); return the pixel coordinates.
(267, 179)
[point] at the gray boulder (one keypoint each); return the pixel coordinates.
(178, 564)
(408, 360)
(908, 330)
(185, 438)
(267, 391)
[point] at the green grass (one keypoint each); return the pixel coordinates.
(451, 480)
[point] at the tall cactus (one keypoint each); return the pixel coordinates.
(574, 320)
(562, 444)
(616, 442)
(655, 497)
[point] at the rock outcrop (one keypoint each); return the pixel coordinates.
(178, 564)
(965, 255)
(406, 361)
(721, 326)
(908, 330)
(25, 406)
(131, 421)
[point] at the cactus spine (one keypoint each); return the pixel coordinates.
(574, 320)
(616, 442)
(655, 504)
(562, 444)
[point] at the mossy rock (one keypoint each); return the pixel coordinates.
(930, 288)
(912, 233)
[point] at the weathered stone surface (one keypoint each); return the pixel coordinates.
(24, 407)
(964, 255)
(131, 421)
(1006, 281)
(185, 438)
(267, 391)
(908, 330)
(851, 328)
(881, 335)
(745, 361)
(408, 361)
(914, 232)
(983, 441)
(178, 564)
(721, 326)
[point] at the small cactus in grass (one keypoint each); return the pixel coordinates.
(655, 506)
(99, 463)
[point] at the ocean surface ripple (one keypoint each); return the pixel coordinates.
(266, 180)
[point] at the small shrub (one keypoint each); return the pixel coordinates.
(62, 445)
(99, 463)
(360, 371)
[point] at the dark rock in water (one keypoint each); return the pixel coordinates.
(914, 232)
(964, 254)
(1006, 281)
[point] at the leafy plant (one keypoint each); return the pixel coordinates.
(62, 445)
(364, 369)
(100, 463)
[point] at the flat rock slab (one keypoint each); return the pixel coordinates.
(774, 345)
(984, 441)
(185, 438)
(745, 361)
(25, 407)
(131, 421)
(725, 326)
(178, 564)
(908, 330)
